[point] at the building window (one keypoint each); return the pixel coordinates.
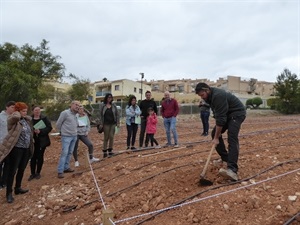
(140, 91)
(134, 90)
(117, 87)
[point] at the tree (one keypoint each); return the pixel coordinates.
(249, 103)
(23, 70)
(287, 91)
(257, 101)
(80, 90)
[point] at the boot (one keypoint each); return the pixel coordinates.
(110, 153)
(104, 153)
(9, 198)
(20, 191)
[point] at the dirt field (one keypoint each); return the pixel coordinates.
(160, 186)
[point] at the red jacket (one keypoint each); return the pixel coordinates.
(169, 108)
(151, 124)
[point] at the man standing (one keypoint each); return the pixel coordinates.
(67, 125)
(144, 106)
(204, 116)
(10, 108)
(169, 111)
(229, 113)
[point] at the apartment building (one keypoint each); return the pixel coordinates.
(120, 89)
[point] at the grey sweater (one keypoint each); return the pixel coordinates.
(67, 123)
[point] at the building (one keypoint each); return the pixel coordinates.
(120, 89)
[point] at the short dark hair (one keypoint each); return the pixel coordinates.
(148, 92)
(201, 87)
(150, 109)
(10, 103)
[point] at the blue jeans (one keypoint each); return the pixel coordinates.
(170, 125)
(205, 118)
(68, 144)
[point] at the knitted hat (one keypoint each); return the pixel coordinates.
(20, 106)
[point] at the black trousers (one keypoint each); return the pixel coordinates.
(143, 130)
(231, 156)
(37, 160)
(131, 134)
(3, 173)
(151, 138)
(16, 161)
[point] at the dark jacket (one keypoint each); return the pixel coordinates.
(145, 105)
(103, 108)
(14, 130)
(224, 105)
(43, 137)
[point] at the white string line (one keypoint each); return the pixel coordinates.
(207, 197)
(96, 183)
(112, 222)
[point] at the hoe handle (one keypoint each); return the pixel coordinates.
(207, 161)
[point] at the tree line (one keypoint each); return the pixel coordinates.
(24, 71)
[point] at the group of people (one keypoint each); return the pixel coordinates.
(24, 137)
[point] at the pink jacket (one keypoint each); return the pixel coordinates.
(151, 124)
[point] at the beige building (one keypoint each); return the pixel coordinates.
(120, 89)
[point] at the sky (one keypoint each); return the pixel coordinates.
(164, 39)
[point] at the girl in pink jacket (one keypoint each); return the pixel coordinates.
(151, 128)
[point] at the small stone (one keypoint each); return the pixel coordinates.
(278, 207)
(226, 207)
(292, 198)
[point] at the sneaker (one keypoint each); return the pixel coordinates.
(219, 163)
(157, 146)
(69, 170)
(133, 148)
(94, 160)
(176, 146)
(38, 176)
(60, 175)
(228, 174)
(76, 164)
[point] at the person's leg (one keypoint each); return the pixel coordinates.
(142, 132)
(203, 122)
(12, 160)
(234, 125)
(70, 152)
(167, 125)
(147, 140)
(134, 132)
(129, 132)
(75, 152)
(40, 162)
(4, 173)
(34, 158)
(65, 141)
(220, 148)
(173, 129)
(85, 140)
(154, 140)
(24, 157)
(112, 136)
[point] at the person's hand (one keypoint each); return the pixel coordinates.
(37, 131)
(215, 141)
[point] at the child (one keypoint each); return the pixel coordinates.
(151, 128)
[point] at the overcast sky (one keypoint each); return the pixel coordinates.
(163, 39)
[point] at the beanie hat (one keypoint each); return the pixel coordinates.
(20, 106)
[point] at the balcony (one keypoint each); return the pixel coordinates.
(101, 93)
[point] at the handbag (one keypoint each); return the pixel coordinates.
(100, 128)
(137, 120)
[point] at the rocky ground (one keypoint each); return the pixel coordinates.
(161, 186)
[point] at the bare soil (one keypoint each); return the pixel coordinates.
(137, 185)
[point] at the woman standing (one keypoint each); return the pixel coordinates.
(109, 119)
(17, 147)
(82, 131)
(132, 113)
(42, 127)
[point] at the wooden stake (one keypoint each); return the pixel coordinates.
(107, 213)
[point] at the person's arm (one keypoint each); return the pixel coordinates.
(60, 120)
(48, 128)
(155, 107)
(176, 108)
